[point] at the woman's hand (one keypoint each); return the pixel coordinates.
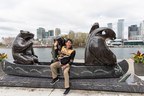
(55, 43)
(59, 58)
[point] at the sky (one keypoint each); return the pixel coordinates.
(76, 15)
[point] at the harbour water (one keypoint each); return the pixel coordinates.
(44, 54)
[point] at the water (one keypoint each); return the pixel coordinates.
(44, 54)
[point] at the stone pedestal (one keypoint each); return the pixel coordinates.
(132, 84)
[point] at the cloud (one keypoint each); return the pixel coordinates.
(7, 28)
(76, 15)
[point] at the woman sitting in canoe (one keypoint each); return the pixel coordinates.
(65, 59)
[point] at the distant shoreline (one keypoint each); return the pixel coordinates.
(134, 46)
(127, 46)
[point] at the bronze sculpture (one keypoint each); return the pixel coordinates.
(97, 53)
(100, 62)
(55, 52)
(22, 49)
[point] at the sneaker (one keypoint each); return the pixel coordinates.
(53, 82)
(66, 91)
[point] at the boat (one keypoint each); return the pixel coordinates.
(78, 70)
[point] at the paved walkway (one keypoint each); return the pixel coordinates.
(17, 91)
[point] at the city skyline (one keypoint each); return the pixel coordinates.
(42, 33)
(66, 14)
(109, 25)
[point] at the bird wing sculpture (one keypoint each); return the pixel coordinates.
(97, 52)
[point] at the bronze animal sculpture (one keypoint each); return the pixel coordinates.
(22, 49)
(55, 52)
(97, 53)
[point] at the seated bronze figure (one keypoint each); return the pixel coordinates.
(22, 49)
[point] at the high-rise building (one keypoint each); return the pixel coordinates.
(71, 34)
(40, 33)
(120, 29)
(46, 34)
(109, 25)
(132, 32)
(57, 31)
(141, 28)
(51, 32)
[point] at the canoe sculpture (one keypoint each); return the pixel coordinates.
(78, 70)
(100, 71)
(100, 61)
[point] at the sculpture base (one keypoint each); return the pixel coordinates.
(132, 84)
